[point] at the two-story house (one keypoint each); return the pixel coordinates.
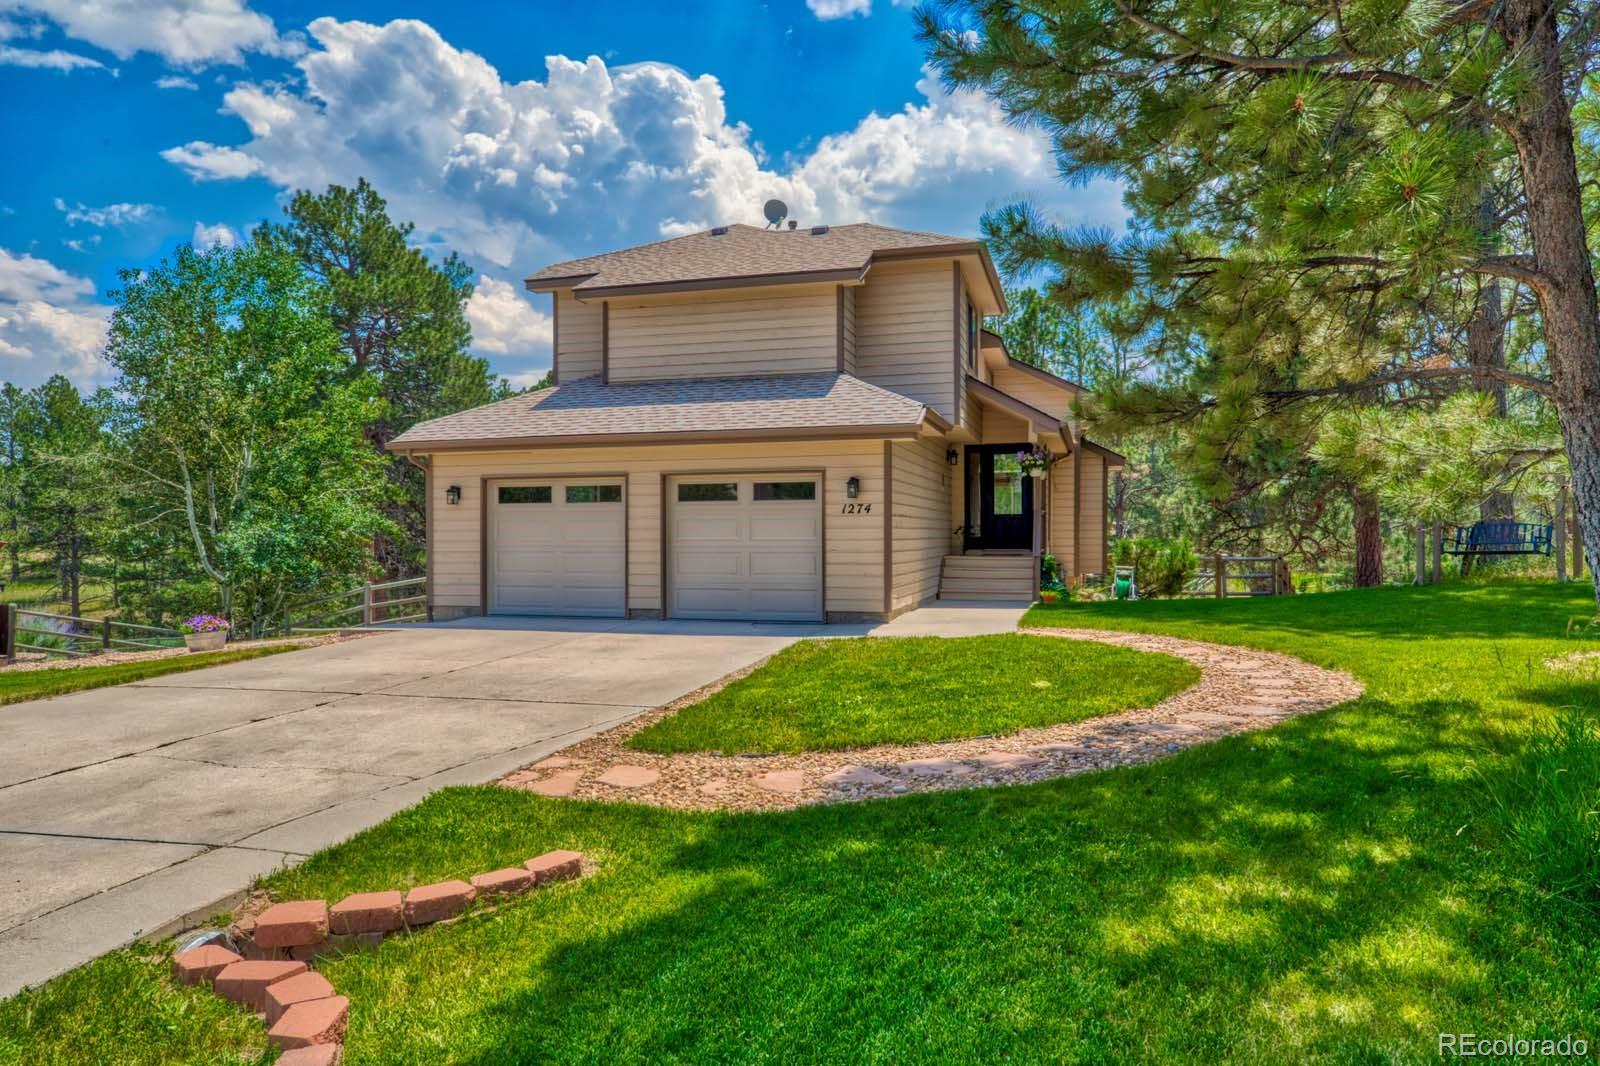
(777, 424)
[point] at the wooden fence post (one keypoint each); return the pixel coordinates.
(8, 632)
(105, 634)
(1222, 576)
(366, 604)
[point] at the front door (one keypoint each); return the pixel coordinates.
(999, 499)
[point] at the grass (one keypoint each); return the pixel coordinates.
(1341, 888)
(17, 686)
(831, 694)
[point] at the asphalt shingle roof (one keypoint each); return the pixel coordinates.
(741, 252)
(586, 408)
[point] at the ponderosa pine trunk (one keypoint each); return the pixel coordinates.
(1565, 289)
(1369, 540)
(1486, 353)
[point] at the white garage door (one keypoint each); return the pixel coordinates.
(557, 547)
(746, 546)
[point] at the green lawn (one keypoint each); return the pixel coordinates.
(1341, 888)
(19, 685)
(830, 694)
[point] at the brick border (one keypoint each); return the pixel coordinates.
(271, 974)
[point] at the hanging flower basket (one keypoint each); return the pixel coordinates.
(205, 632)
(1034, 462)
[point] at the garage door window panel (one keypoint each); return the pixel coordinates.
(524, 494)
(709, 492)
(594, 493)
(785, 490)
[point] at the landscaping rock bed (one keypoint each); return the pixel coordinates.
(277, 943)
(1239, 690)
(39, 661)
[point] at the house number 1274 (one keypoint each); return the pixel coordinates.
(856, 508)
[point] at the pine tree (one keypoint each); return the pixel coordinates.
(1308, 182)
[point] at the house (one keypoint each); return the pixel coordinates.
(776, 424)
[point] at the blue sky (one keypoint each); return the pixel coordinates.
(517, 135)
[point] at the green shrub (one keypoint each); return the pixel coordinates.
(1161, 567)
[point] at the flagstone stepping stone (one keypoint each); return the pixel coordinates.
(1008, 760)
(716, 786)
(554, 762)
(936, 767)
(562, 784)
(625, 776)
(1170, 729)
(854, 775)
(1208, 718)
(791, 782)
(1065, 749)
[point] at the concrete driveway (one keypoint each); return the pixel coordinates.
(124, 810)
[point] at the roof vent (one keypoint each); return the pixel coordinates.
(719, 231)
(817, 231)
(793, 223)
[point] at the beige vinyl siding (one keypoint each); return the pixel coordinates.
(1092, 515)
(578, 338)
(1053, 400)
(853, 543)
(1061, 531)
(731, 333)
(905, 322)
(848, 324)
(920, 529)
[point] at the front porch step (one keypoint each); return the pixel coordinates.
(987, 577)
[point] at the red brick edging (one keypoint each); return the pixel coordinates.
(303, 1015)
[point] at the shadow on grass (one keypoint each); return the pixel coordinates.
(1508, 608)
(1277, 891)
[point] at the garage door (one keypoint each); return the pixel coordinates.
(746, 546)
(557, 547)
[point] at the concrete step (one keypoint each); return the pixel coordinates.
(987, 577)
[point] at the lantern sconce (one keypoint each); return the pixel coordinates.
(452, 495)
(852, 488)
(952, 456)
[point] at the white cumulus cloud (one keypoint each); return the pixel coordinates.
(122, 214)
(175, 82)
(207, 237)
(839, 9)
(52, 59)
(185, 33)
(519, 174)
(50, 323)
(505, 324)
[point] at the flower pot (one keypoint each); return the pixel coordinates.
(206, 641)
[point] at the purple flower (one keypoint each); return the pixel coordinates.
(205, 623)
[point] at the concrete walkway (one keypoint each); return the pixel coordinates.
(124, 811)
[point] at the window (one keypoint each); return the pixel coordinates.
(524, 494)
(972, 334)
(786, 490)
(594, 493)
(709, 492)
(1007, 485)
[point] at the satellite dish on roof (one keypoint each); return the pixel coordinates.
(776, 211)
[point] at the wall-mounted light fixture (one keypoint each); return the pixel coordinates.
(852, 488)
(952, 457)
(452, 495)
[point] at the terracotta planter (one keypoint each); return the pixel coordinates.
(206, 641)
